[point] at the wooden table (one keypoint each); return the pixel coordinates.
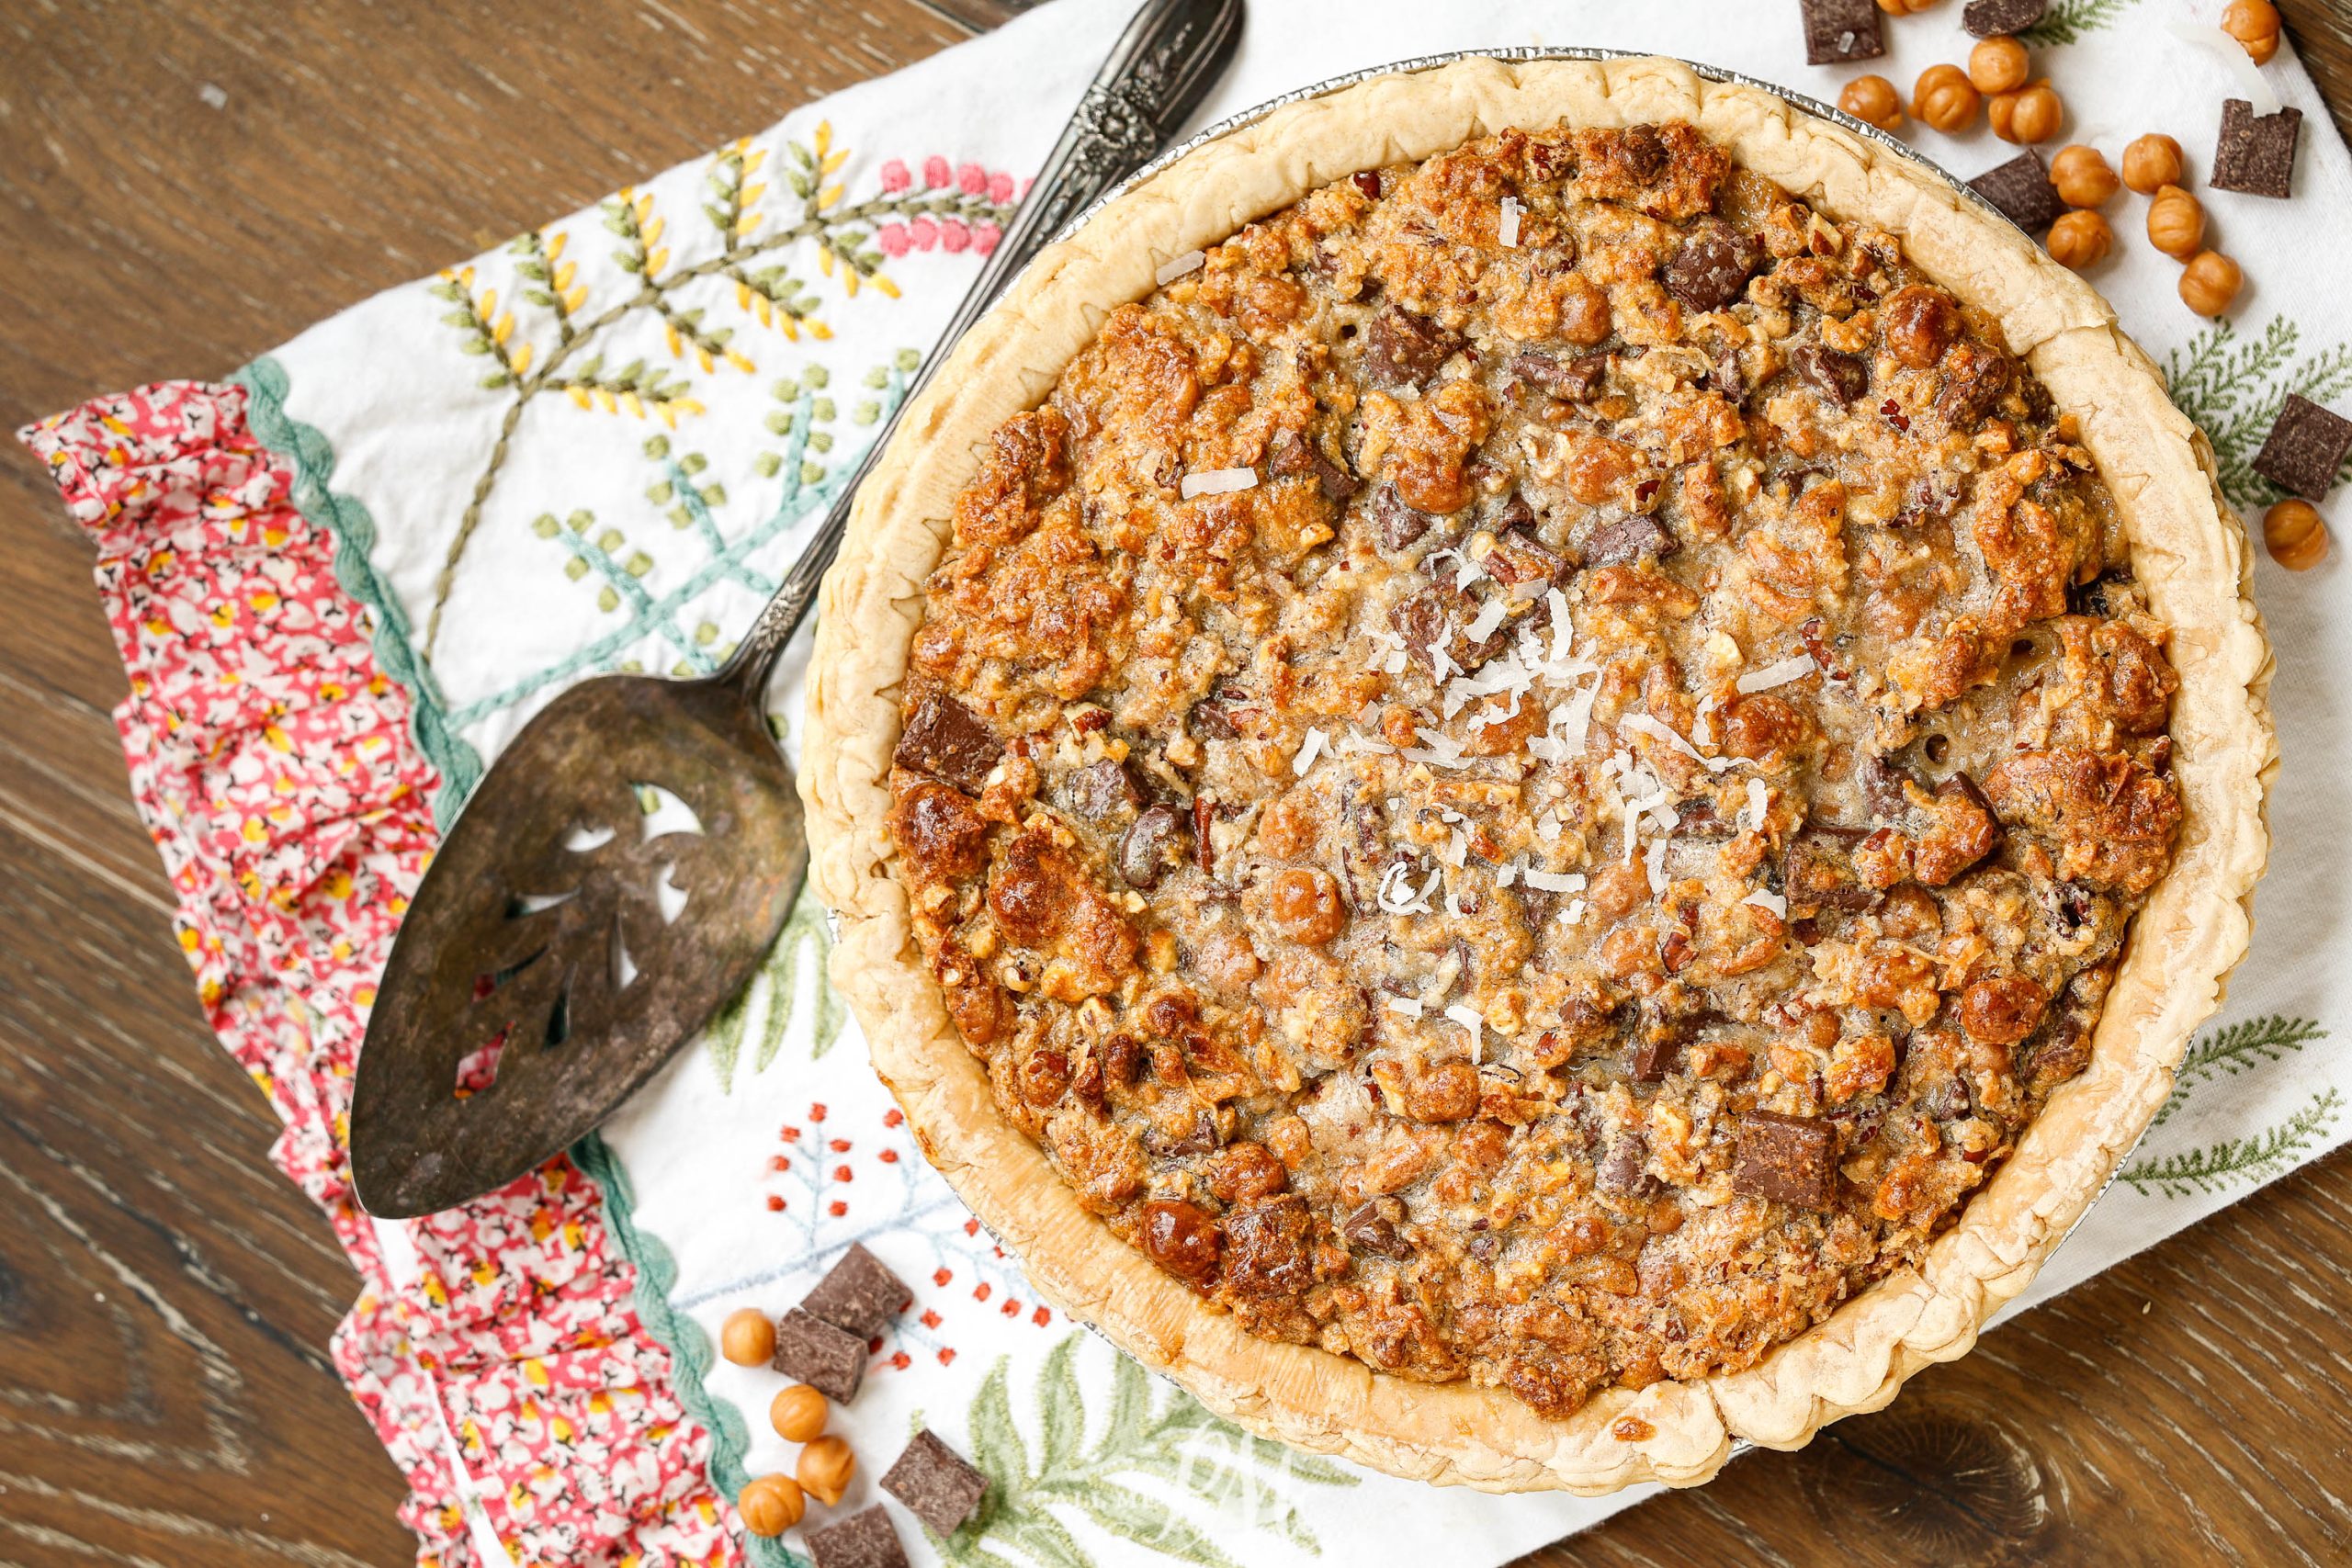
(189, 184)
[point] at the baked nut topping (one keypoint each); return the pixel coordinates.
(1532, 773)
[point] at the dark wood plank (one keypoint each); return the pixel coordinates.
(166, 1297)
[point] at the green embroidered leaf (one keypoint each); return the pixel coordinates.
(2067, 20)
(2217, 1167)
(2234, 388)
(762, 1014)
(997, 1447)
(1147, 1521)
(2235, 1049)
(1062, 1410)
(1130, 1404)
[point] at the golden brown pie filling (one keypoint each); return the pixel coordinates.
(1534, 769)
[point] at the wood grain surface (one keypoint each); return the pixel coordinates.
(187, 183)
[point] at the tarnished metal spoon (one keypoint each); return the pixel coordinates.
(548, 965)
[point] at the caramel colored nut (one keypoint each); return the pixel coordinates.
(2028, 116)
(2295, 534)
(798, 1414)
(825, 1468)
(1944, 99)
(2083, 177)
(2210, 282)
(747, 1338)
(1998, 65)
(2152, 162)
(771, 1505)
(2080, 240)
(2176, 223)
(2255, 24)
(1873, 101)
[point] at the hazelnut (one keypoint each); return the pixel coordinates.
(2255, 24)
(2080, 240)
(2083, 177)
(825, 1468)
(2152, 162)
(748, 1337)
(771, 1505)
(1904, 8)
(2295, 534)
(798, 1414)
(1944, 99)
(2028, 115)
(1998, 64)
(2176, 223)
(1873, 101)
(2210, 282)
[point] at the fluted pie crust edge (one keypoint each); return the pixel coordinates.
(2189, 551)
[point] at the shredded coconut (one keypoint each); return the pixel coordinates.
(1175, 267)
(1467, 1016)
(1507, 227)
(1410, 1006)
(1655, 862)
(1216, 482)
(1758, 805)
(1795, 668)
(1771, 901)
(1489, 619)
(1574, 914)
(1643, 724)
(1307, 751)
(1556, 881)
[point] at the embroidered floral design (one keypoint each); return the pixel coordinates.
(763, 1015)
(2234, 1049)
(551, 346)
(2067, 20)
(2234, 1161)
(2234, 388)
(1033, 1498)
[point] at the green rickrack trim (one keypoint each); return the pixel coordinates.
(312, 456)
(690, 1348)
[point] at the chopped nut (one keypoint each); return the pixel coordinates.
(747, 1338)
(825, 1468)
(798, 1412)
(770, 1504)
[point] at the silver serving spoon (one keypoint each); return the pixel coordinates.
(545, 967)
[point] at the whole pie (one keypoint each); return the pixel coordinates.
(1538, 765)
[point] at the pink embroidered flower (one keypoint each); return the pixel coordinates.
(953, 235)
(923, 233)
(934, 172)
(1000, 187)
(895, 176)
(985, 235)
(892, 238)
(972, 178)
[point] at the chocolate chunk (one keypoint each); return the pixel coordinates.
(938, 1485)
(1837, 30)
(1151, 846)
(1515, 512)
(1844, 377)
(1817, 868)
(1656, 1055)
(945, 739)
(1787, 1159)
(1406, 349)
(1295, 454)
(2020, 188)
(2257, 152)
(1520, 557)
(1397, 524)
(1712, 268)
(1621, 1172)
(860, 1295)
(2305, 450)
(1578, 380)
(1629, 539)
(1997, 18)
(811, 1350)
(1882, 781)
(864, 1539)
(1373, 1228)
(1101, 792)
(1199, 1136)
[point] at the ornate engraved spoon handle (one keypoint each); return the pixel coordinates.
(1149, 84)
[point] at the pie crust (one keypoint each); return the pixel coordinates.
(2189, 552)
